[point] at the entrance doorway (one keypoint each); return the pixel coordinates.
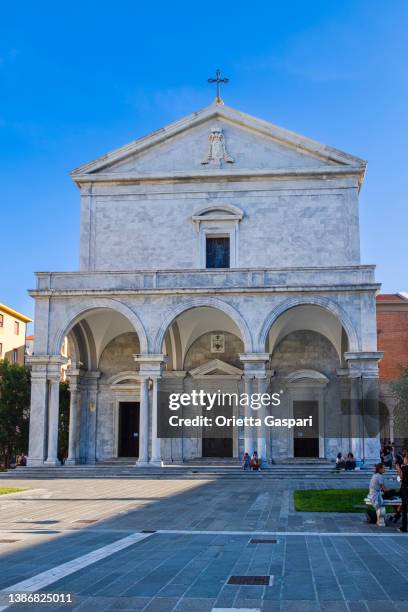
(306, 439)
(218, 446)
(128, 429)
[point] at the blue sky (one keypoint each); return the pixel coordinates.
(79, 79)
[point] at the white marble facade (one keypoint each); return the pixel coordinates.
(295, 309)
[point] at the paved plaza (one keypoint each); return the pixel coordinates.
(161, 545)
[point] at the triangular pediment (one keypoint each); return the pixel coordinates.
(215, 368)
(185, 147)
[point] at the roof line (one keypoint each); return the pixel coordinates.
(296, 141)
(15, 313)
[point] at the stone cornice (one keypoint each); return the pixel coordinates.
(193, 175)
(370, 287)
(357, 267)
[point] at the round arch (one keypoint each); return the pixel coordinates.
(323, 302)
(209, 302)
(126, 375)
(77, 312)
(83, 344)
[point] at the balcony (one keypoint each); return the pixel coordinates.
(205, 281)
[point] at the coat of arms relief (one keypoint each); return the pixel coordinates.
(217, 149)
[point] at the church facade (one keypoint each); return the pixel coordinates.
(219, 252)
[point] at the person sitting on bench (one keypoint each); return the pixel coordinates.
(376, 490)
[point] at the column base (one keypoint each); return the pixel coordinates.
(52, 462)
(35, 462)
(142, 463)
(70, 462)
(156, 462)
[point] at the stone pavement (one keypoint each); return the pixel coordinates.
(201, 534)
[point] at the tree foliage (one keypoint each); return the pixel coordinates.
(14, 409)
(63, 425)
(399, 389)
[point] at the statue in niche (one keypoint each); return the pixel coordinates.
(217, 152)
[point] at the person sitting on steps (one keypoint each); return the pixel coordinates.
(350, 462)
(246, 461)
(340, 463)
(255, 463)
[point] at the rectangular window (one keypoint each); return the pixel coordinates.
(217, 252)
(14, 357)
(16, 327)
(1, 350)
(1, 320)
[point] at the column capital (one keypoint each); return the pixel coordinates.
(46, 360)
(254, 364)
(91, 378)
(254, 357)
(54, 377)
(95, 374)
(45, 366)
(363, 363)
(151, 365)
(364, 355)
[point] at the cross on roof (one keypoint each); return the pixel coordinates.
(218, 80)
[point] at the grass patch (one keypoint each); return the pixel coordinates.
(5, 490)
(330, 500)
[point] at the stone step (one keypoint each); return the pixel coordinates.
(186, 471)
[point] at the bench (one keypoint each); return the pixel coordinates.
(395, 501)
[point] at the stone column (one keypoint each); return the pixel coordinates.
(392, 425)
(150, 369)
(143, 459)
(363, 373)
(255, 367)
(73, 417)
(38, 415)
(248, 432)
(355, 417)
(262, 386)
(92, 396)
(53, 415)
(156, 454)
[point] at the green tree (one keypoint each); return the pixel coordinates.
(399, 389)
(14, 410)
(63, 424)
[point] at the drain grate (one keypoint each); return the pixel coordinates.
(86, 521)
(251, 580)
(257, 541)
(4, 541)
